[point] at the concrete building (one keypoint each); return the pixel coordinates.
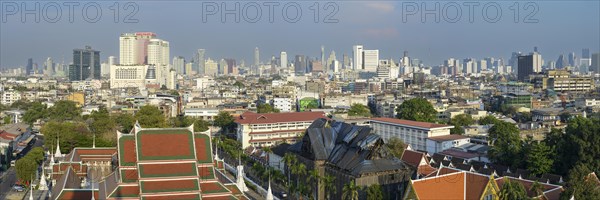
(268, 129)
(370, 60)
(357, 52)
(283, 104)
(412, 133)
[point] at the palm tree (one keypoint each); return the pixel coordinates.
(350, 191)
(289, 160)
(299, 170)
(315, 178)
(328, 186)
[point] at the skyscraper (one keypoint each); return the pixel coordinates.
(256, 57)
(128, 49)
(370, 60)
(300, 65)
(179, 64)
(199, 62)
(49, 67)
(323, 58)
(573, 60)
(142, 41)
(595, 63)
(537, 60)
(29, 68)
(561, 62)
(525, 67)
(357, 51)
(283, 59)
(86, 64)
(585, 58)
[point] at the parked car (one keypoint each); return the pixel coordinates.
(18, 188)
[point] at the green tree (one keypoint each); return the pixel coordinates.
(350, 191)
(181, 121)
(512, 190)
(101, 122)
(458, 122)
(315, 179)
(506, 144)
(359, 110)
(537, 188)
(7, 119)
(488, 120)
(374, 192)
(328, 184)
(579, 144)
(417, 109)
(64, 110)
(266, 108)
(125, 122)
(200, 125)
(396, 146)
(26, 168)
(580, 185)
(36, 154)
(224, 120)
(539, 158)
(36, 111)
(20, 105)
(71, 135)
(150, 117)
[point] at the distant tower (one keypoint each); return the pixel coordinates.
(256, 57)
(323, 57)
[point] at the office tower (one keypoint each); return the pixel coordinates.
(158, 52)
(179, 64)
(283, 59)
(323, 58)
(256, 57)
(405, 60)
(595, 63)
(316, 66)
(300, 65)
(357, 50)
(189, 68)
(346, 62)
(112, 60)
(469, 66)
(585, 58)
(514, 59)
(230, 66)
(142, 42)
(561, 62)
(370, 60)
(525, 67)
(86, 64)
(573, 59)
(537, 60)
(212, 67)
(482, 66)
(551, 65)
(222, 66)
(49, 67)
(453, 66)
(330, 60)
(199, 61)
(128, 49)
(29, 67)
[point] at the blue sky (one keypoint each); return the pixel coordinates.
(562, 27)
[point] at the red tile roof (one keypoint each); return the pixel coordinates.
(447, 138)
(449, 186)
(413, 158)
(168, 169)
(425, 125)
(267, 118)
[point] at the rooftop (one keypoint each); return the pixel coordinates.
(267, 118)
(425, 125)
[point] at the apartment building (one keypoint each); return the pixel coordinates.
(413, 133)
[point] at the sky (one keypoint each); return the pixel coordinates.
(496, 30)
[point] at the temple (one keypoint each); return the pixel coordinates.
(152, 163)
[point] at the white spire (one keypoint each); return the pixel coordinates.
(269, 191)
(43, 184)
(94, 141)
(93, 198)
(57, 154)
(51, 159)
(217, 151)
(240, 176)
(31, 190)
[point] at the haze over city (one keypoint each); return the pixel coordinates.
(562, 27)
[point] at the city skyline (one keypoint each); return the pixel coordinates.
(383, 30)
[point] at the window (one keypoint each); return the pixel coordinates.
(488, 197)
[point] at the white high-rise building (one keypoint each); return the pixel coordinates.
(357, 51)
(49, 67)
(370, 60)
(212, 67)
(537, 62)
(256, 57)
(179, 64)
(158, 52)
(128, 49)
(283, 59)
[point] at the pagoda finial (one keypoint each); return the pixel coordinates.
(57, 154)
(94, 141)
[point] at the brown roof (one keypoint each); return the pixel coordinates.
(266, 118)
(450, 186)
(413, 158)
(425, 125)
(447, 138)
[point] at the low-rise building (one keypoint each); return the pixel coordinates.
(413, 133)
(267, 129)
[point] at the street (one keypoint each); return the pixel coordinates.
(10, 176)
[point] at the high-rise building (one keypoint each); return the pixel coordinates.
(482, 66)
(525, 67)
(300, 65)
(370, 60)
(514, 59)
(29, 68)
(330, 61)
(346, 61)
(199, 61)
(283, 60)
(86, 64)
(357, 51)
(49, 67)
(230, 66)
(142, 41)
(561, 62)
(323, 58)
(158, 52)
(256, 57)
(595, 63)
(537, 60)
(469, 66)
(573, 59)
(179, 64)
(316, 66)
(585, 60)
(128, 49)
(212, 67)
